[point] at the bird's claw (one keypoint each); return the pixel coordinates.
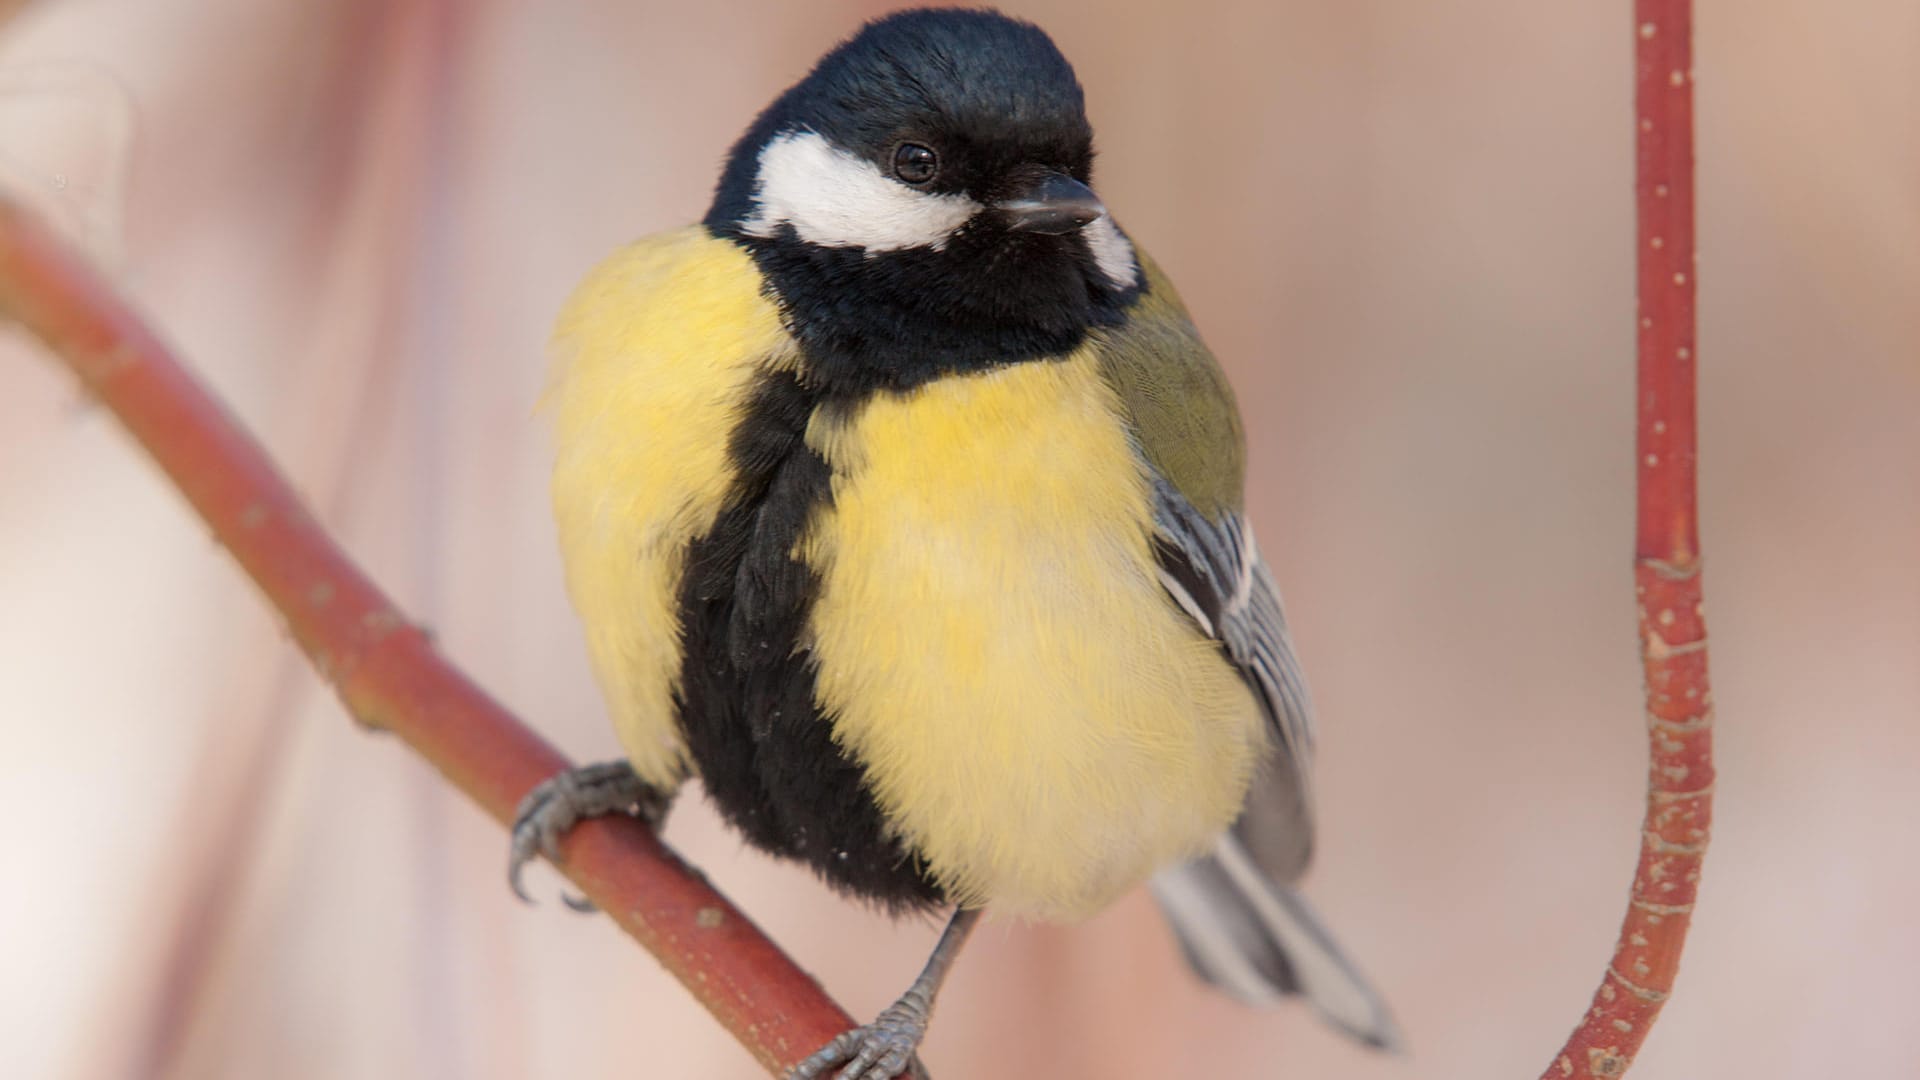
(881, 1050)
(564, 800)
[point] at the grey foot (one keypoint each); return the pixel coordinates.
(880, 1051)
(564, 800)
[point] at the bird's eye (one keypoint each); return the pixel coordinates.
(914, 163)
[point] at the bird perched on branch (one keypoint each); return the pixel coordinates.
(901, 503)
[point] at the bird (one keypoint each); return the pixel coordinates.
(902, 504)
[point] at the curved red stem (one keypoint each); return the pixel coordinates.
(1673, 636)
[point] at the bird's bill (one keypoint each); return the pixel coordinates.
(1053, 203)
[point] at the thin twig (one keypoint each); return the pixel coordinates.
(381, 665)
(1673, 633)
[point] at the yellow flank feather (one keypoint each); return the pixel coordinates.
(1037, 718)
(654, 356)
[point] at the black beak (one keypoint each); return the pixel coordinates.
(1054, 204)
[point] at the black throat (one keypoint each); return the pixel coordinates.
(894, 320)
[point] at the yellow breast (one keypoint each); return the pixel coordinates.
(1036, 717)
(654, 357)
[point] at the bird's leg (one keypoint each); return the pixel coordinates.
(880, 1050)
(564, 800)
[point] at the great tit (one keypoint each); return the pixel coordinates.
(901, 503)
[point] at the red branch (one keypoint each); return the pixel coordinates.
(382, 666)
(1673, 633)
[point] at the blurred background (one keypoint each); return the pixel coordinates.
(1406, 229)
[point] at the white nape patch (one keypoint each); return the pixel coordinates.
(1111, 252)
(836, 199)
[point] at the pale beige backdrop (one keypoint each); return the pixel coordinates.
(1405, 228)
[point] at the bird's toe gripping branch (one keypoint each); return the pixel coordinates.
(554, 807)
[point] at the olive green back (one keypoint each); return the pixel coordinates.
(1182, 409)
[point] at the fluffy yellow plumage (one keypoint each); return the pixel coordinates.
(1038, 720)
(1036, 716)
(653, 358)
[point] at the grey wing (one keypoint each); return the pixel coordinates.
(1213, 569)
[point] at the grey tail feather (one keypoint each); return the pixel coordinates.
(1260, 942)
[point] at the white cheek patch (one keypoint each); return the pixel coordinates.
(835, 199)
(1111, 252)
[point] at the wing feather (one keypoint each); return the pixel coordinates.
(1234, 909)
(1212, 568)
(1188, 432)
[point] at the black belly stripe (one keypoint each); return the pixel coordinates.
(764, 750)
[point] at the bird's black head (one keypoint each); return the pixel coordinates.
(920, 202)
